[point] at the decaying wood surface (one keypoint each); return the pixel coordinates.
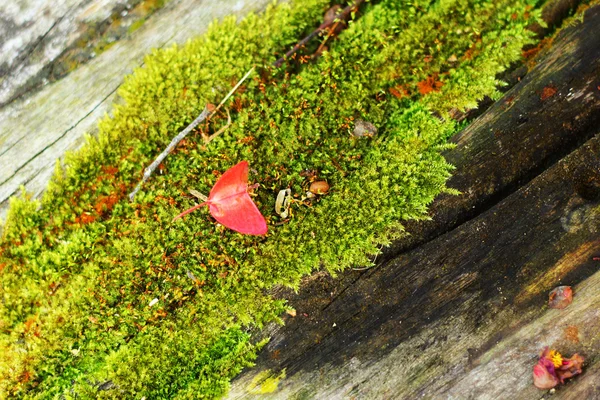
(38, 124)
(459, 309)
(34, 34)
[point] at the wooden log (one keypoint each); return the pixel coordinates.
(459, 309)
(46, 107)
(514, 141)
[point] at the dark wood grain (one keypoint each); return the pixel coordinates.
(458, 310)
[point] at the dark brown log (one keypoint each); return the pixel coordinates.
(459, 310)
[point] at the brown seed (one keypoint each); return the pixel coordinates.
(319, 187)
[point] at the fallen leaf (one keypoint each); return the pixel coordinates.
(560, 297)
(282, 203)
(552, 369)
(230, 204)
(544, 376)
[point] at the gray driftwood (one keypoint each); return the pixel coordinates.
(458, 310)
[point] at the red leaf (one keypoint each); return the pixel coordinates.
(553, 369)
(231, 205)
(543, 378)
(560, 297)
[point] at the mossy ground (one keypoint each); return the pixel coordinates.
(80, 267)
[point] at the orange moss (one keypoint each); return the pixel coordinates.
(431, 84)
(399, 91)
(110, 170)
(531, 54)
(85, 218)
(473, 50)
(25, 377)
(547, 92)
(105, 204)
(572, 334)
(246, 140)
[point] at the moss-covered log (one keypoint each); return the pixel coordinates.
(105, 298)
(459, 309)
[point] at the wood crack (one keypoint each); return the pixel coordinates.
(49, 145)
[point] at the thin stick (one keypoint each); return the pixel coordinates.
(198, 195)
(329, 35)
(205, 114)
(344, 15)
(232, 91)
(223, 129)
(297, 47)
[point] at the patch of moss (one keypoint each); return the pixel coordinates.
(265, 382)
(81, 269)
(143, 11)
(135, 26)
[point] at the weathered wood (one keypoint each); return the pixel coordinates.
(514, 141)
(34, 34)
(38, 129)
(42, 41)
(462, 313)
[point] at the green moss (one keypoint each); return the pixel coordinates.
(80, 269)
(135, 26)
(265, 382)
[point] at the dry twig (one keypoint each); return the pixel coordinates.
(324, 27)
(328, 26)
(209, 111)
(223, 129)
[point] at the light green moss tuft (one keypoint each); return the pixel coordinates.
(265, 382)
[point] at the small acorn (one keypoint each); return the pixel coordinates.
(319, 187)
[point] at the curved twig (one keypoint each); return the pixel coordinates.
(343, 16)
